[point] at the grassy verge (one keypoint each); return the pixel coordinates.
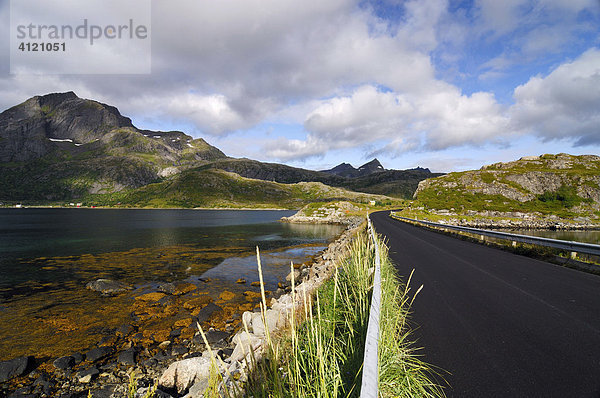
(321, 355)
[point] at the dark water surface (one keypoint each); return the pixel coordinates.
(47, 256)
(576, 236)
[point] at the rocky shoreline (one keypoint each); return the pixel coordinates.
(333, 213)
(167, 354)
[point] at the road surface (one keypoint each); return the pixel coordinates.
(499, 324)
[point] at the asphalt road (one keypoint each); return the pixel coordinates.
(500, 324)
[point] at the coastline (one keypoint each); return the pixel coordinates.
(95, 371)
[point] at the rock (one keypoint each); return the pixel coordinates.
(216, 336)
(296, 275)
(179, 350)
(86, 376)
(161, 394)
(205, 313)
(255, 283)
(23, 392)
(106, 391)
(78, 357)
(244, 342)
(166, 287)
(225, 352)
(150, 297)
(226, 295)
(241, 280)
(127, 357)
(196, 302)
(108, 286)
(124, 330)
(183, 288)
(98, 353)
(250, 295)
(64, 363)
(164, 345)
(182, 375)
(272, 319)
(14, 368)
(43, 385)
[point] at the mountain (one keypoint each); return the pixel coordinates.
(396, 183)
(561, 184)
(347, 170)
(342, 169)
(60, 147)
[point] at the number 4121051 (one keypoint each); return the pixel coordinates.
(46, 47)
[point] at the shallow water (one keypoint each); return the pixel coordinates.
(577, 236)
(47, 256)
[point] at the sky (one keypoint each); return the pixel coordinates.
(448, 85)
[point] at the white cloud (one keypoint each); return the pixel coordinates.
(563, 104)
(437, 120)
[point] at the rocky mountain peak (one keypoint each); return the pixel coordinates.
(371, 167)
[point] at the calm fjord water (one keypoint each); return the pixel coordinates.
(26, 235)
(47, 256)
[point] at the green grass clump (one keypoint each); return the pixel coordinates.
(322, 356)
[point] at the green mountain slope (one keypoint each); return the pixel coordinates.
(562, 184)
(210, 187)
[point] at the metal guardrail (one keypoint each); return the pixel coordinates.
(370, 376)
(573, 247)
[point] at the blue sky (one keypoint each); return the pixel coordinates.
(449, 85)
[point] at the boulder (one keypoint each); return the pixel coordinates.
(216, 336)
(205, 313)
(166, 287)
(64, 363)
(108, 286)
(98, 353)
(127, 357)
(244, 343)
(86, 376)
(14, 368)
(296, 276)
(182, 375)
(272, 319)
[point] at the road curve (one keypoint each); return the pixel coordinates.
(500, 324)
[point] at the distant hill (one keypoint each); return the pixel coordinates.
(562, 184)
(60, 147)
(396, 183)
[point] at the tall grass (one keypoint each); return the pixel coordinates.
(322, 352)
